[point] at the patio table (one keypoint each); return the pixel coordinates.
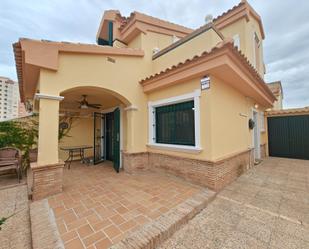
(77, 150)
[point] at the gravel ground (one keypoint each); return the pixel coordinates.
(15, 233)
(265, 208)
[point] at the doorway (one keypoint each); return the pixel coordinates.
(107, 138)
(256, 136)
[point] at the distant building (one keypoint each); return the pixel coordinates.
(10, 105)
(276, 89)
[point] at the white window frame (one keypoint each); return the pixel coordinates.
(195, 96)
(236, 39)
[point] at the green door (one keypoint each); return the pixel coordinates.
(116, 140)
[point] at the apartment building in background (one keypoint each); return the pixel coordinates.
(10, 105)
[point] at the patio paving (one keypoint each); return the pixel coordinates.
(99, 207)
(267, 207)
(16, 232)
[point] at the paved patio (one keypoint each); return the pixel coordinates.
(99, 207)
(268, 207)
(15, 231)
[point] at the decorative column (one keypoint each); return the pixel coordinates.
(48, 170)
(131, 159)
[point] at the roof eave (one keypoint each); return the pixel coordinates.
(227, 53)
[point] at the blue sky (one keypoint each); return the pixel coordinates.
(286, 48)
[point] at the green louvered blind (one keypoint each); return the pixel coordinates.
(175, 124)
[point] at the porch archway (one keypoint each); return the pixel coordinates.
(101, 122)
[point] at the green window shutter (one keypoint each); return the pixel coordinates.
(110, 33)
(175, 124)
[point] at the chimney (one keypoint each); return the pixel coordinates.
(208, 19)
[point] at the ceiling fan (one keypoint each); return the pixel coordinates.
(83, 104)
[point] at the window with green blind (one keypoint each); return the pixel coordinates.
(175, 124)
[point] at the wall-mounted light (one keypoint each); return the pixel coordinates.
(256, 106)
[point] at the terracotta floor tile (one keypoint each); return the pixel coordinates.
(93, 218)
(127, 225)
(68, 216)
(74, 244)
(103, 244)
(105, 206)
(94, 238)
(58, 211)
(141, 219)
(117, 219)
(76, 224)
(112, 231)
(69, 236)
(61, 227)
(101, 224)
(122, 210)
(84, 231)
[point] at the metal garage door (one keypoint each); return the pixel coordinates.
(288, 136)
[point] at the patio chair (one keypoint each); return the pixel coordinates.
(10, 159)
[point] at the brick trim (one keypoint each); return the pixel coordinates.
(154, 233)
(47, 180)
(212, 174)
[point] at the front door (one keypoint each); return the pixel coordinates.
(98, 147)
(116, 140)
(256, 136)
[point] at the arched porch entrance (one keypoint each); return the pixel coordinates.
(96, 125)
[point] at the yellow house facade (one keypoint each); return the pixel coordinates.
(152, 95)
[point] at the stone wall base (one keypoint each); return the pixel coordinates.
(46, 180)
(263, 151)
(214, 175)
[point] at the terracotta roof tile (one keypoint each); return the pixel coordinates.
(292, 111)
(225, 44)
(204, 54)
(228, 11)
(127, 20)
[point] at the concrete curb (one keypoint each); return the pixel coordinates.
(44, 230)
(154, 233)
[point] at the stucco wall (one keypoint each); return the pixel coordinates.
(230, 112)
(245, 30)
(81, 133)
(196, 46)
(95, 71)
(205, 129)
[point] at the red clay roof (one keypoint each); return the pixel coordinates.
(249, 9)
(126, 21)
(275, 87)
(219, 47)
(241, 56)
(52, 59)
(287, 112)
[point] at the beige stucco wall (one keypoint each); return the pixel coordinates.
(223, 130)
(205, 129)
(246, 29)
(278, 103)
(196, 46)
(230, 113)
(81, 133)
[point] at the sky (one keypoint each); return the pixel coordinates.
(286, 24)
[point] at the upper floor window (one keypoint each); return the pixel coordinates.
(236, 39)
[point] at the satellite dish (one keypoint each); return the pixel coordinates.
(208, 18)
